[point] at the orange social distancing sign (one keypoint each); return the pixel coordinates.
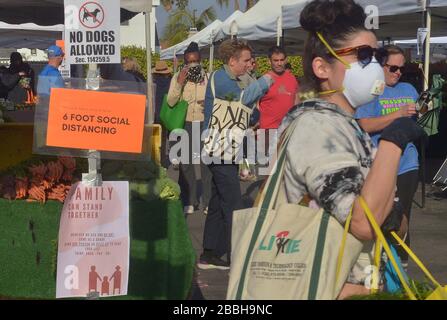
(104, 121)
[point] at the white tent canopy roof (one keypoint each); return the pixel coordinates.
(291, 12)
(226, 27)
(203, 38)
(260, 21)
(29, 35)
(433, 40)
(438, 45)
(409, 11)
(38, 23)
(31, 26)
(51, 12)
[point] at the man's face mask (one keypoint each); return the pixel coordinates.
(196, 73)
(364, 79)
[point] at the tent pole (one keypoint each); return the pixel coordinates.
(279, 31)
(150, 118)
(211, 60)
(175, 61)
(427, 49)
(283, 39)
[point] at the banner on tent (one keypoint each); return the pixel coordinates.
(93, 249)
(92, 31)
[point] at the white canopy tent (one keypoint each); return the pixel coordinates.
(227, 27)
(409, 12)
(51, 12)
(438, 48)
(398, 19)
(402, 27)
(260, 25)
(259, 22)
(204, 38)
(433, 40)
(29, 35)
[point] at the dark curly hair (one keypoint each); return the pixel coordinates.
(336, 20)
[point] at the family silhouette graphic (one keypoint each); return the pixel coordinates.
(93, 278)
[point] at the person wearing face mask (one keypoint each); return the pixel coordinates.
(227, 84)
(397, 101)
(330, 160)
(189, 84)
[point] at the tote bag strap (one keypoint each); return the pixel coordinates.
(242, 95)
(381, 238)
(268, 194)
(213, 89)
(415, 259)
(267, 200)
(379, 243)
(342, 248)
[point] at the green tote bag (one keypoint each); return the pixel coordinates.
(173, 117)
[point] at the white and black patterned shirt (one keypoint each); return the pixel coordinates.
(328, 157)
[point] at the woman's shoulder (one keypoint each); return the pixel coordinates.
(313, 121)
(310, 109)
(405, 86)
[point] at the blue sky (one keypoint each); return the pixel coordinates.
(200, 5)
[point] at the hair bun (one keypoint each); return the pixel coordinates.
(321, 15)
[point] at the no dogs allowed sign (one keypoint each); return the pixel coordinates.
(92, 31)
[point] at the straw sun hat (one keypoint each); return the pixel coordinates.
(161, 67)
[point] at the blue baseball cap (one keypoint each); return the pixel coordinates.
(55, 51)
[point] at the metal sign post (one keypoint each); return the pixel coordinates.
(93, 177)
(150, 93)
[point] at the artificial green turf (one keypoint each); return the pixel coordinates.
(161, 253)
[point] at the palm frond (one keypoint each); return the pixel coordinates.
(182, 20)
(207, 15)
(236, 5)
(223, 3)
(182, 15)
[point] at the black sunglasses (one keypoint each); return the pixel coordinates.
(393, 69)
(365, 54)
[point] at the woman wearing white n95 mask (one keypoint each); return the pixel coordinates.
(330, 159)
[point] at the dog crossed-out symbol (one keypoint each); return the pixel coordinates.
(92, 16)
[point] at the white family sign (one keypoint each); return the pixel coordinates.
(93, 250)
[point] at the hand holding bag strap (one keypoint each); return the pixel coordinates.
(382, 239)
(272, 187)
(416, 259)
